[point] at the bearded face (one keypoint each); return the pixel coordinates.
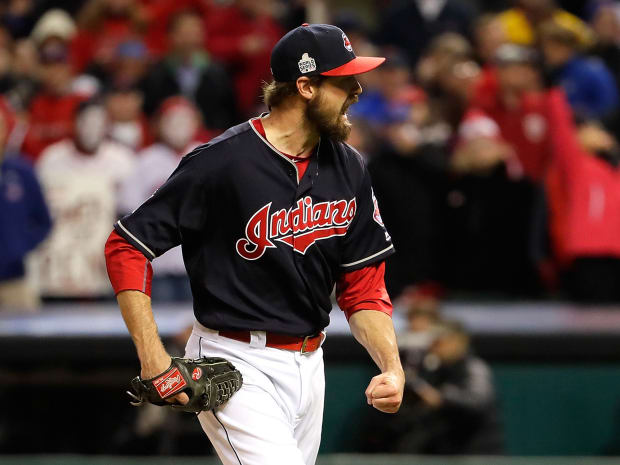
(330, 116)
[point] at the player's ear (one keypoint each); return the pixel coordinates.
(306, 87)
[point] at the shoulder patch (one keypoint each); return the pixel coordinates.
(376, 213)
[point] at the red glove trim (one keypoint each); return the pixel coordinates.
(364, 289)
(128, 268)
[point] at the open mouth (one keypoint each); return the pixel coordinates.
(346, 106)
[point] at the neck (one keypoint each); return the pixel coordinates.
(289, 131)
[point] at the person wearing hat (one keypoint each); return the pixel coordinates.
(589, 85)
(271, 215)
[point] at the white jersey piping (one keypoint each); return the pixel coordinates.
(136, 239)
(368, 258)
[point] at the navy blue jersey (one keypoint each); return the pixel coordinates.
(262, 250)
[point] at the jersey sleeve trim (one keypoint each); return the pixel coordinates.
(370, 257)
(143, 248)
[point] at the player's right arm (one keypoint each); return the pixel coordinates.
(136, 310)
(152, 229)
(130, 274)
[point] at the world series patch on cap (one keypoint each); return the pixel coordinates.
(317, 49)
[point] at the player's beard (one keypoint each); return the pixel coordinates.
(336, 128)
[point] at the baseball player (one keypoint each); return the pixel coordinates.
(271, 215)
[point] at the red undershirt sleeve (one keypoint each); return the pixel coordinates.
(363, 289)
(128, 268)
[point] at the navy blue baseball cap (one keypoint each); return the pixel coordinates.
(317, 49)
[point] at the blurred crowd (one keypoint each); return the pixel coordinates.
(491, 133)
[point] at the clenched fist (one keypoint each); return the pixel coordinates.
(385, 391)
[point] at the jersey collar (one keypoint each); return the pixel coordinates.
(282, 154)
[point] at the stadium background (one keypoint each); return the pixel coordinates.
(536, 313)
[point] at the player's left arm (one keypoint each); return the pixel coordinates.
(375, 331)
(361, 294)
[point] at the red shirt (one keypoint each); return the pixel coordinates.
(525, 128)
(51, 120)
(583, 193)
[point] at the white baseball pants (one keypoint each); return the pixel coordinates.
(276, 416)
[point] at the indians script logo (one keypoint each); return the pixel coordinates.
(298, 227)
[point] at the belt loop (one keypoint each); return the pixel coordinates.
(258, 339)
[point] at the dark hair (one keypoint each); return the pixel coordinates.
(275, 92)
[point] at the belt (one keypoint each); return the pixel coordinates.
(281, 341)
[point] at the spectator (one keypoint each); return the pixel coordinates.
(159, 13)
(449, 406)
(516, 103)
(421, 304)
(80, 177)
(411, 26)
(24, 220)
(19, 81)
(54, 23)
(409, 172)
(190, 71)
(521, 22)
(51, 109)
(241, 36)
(127, 68)
(102, 26)
(606, 24)
(583, 188)
(488, 219)
(127, 123)
(57, 25)
(179, 127)
(436, 67)
(590, 87)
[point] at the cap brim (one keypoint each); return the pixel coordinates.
(357, 65)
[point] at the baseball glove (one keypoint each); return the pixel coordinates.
(208, 382)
